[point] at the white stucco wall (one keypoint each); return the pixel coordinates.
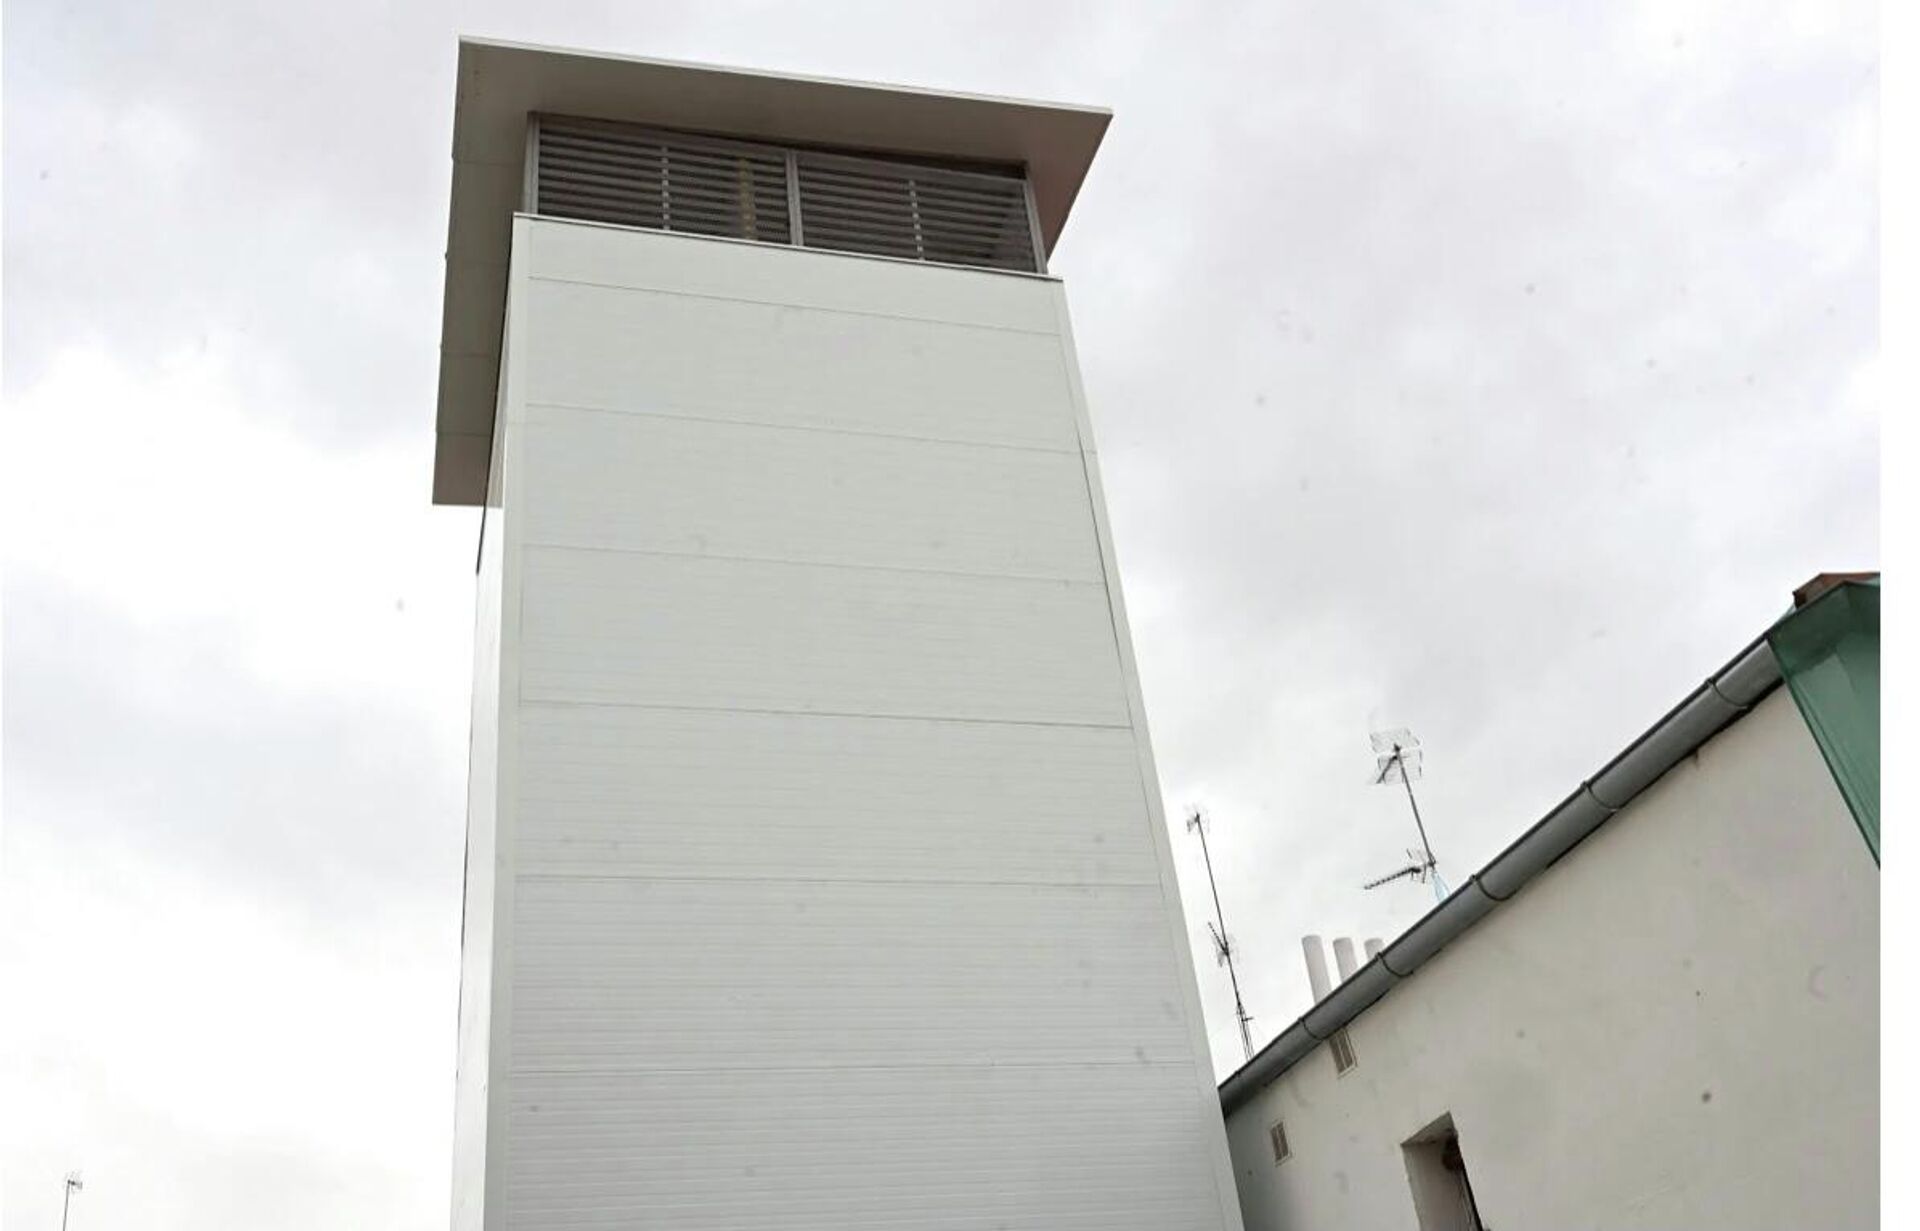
(1675, 1026)
(833, 885)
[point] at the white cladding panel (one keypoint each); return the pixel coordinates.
(656, 483)
(596, 256)
(623, 349)
(628, 791)
(836, 889)
(1677, 1025)
(621, 627)
(962, 1146)
(623, 974)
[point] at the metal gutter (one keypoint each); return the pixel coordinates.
(1708, 710)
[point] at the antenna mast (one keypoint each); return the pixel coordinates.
(1398, 759)
(1222, 943)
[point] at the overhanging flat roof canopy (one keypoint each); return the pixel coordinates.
(500, 84)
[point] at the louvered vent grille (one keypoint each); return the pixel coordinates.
(666, 181)
(921, 213)
(1277, 1134)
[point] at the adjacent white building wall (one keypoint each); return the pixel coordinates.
(833, 887)
(1676, 1026)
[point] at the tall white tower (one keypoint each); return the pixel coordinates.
(816, 872)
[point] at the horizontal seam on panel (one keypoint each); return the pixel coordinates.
(1088, 582)
(804, 307)
(904, 882)
(1066, 1066)
(1062, 450)
(524, 700)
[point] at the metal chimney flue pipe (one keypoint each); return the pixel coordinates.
(1343, 957)
(1316, 954)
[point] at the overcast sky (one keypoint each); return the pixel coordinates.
(1490, 369)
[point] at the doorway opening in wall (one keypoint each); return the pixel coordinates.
(1442, 1194)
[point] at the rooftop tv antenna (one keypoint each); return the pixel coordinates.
(1397, 758)
(1222, 943)
(72, 1186)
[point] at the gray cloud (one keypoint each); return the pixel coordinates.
(338, 807)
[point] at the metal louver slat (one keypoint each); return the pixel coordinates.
(600, 171)
(858, 202)
(979, 189)
(662, 181)
(924, 213)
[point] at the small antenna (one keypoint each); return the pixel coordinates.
(1397, 758)
(1222, 943)
(1417, 869)
(72, 1186)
